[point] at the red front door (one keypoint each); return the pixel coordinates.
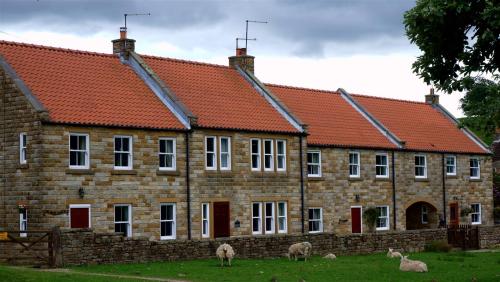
(79, 217)
(356, 219)
(454, 214)
(221, 219)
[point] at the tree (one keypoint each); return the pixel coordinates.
(458, 38)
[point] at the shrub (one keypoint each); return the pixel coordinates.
(370, 216)
(438, 246)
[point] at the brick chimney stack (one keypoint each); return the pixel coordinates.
(242, 60)
(431, 98)
(123, 45)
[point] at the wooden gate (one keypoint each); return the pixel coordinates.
(463, 236)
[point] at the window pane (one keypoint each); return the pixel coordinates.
(125, 144)
(269, 209)
(118, 144)
(256, 210)
(163, 146)
(267, 146)
(224, 145)
(267, 161)
(73, 142)
(223, 160)
(255, 146)
(255, 161)
(170, 146)
(281, 147)
(281, 209)
(72, 158)
(210, 144)
(269, 224)
(210, 159)
(255, 224)
(82, 142)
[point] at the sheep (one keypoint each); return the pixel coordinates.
(330, 256)
(225, 252)
(412, 265)
(392, 254)
(303, 249)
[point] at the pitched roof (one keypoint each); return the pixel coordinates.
(331, 120)
(87, 88)
(420, 125)
(219, 96)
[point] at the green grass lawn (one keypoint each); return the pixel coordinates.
(455, 266)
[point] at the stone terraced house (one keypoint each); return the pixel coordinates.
(170, 149)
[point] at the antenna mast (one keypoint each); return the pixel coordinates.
(246, 33)
(129, 15)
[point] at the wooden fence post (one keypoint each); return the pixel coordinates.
(57, 259)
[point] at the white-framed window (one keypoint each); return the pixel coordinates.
(314, 163)
(23, 142)
(269, 217)
(123, 219)
(80, 216)
(282, 218)
(476, 213)
(205, 220)
(420, 166)
(167, 154)
(123, 152)
(225, 153)
(281, 155)
(451, 165)
(381, 165)
(315, 220)
(475, 168)
(210, 153)
(79, 155)
(424, 214)
(167, 221)
(256, 218)
(23, 221)
(268, 155)
(255, 152)
(354, 170)
(383, 218)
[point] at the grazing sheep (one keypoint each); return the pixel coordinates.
(330, 256)
(225, 252)
(412, 265)
(392, 254)
(297, 250)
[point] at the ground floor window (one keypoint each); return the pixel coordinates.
(256, 218)
(315, 220)
(282, 220)
(476, 213)
(383, 218)
(205, 220)
(424, 214)
(79, 216)
(23, 221)
(269, 217)
(123, 219)
(167, 221)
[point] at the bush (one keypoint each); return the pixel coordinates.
(438, 246)
(370, 216)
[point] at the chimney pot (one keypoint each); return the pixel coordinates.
(431, 98)
(123, 32)
(242, 60)
(123, 46)
(241, 51)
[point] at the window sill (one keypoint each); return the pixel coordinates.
(168, 172)
(315, 178)
(79, 171)
(451, 176)
(22, 166)
(355, 178)
(383, 179)
(421, 179)
(124, 172)
(475, 180)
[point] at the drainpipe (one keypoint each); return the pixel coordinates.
(444, 187)
(301, 183)
(393, 172)
(188, 187)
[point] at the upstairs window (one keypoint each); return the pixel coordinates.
(210, 153)
(268, 155)
(225, 153)
(280, 155)
(79, 151)
(314, 163)
(123, 219)
(22, 148)
(420, 166)
(255, 152)
(354, 164)
(315, 220)
(451, 165)
(476, 213)
(381, 166)
(383, 218)
(167, 221)
(474, 168)
(167, 154)
(123, 152)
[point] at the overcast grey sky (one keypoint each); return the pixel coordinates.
(359, 45)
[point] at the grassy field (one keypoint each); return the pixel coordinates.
(455, 266)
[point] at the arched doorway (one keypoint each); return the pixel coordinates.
(421, 215)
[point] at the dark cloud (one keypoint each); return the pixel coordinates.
(306, 27)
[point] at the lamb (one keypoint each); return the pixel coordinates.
(392, 254)
(225, 252)
(303, 249)
(330, 256)
(412, 265)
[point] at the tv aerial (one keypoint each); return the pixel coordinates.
(130, 15)
(246, 39)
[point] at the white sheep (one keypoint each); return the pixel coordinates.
(392, 254)
(412, 265)
(330, 256)
(297, 250)
(225, 252)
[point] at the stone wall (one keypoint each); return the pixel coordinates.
(87, 247)
(489, 236)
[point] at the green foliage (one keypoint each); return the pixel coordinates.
(458, 38)
(465, 211)
(438, 246)
(370, 216)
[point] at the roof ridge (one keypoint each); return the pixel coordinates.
(387, 98)
(184, 61)
(52, 48)
(302, 88)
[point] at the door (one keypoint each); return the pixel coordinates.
(79, 216)
(356, 219)
(221, 219)
(454, 214)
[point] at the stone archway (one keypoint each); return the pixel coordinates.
(421, 215)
